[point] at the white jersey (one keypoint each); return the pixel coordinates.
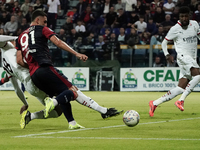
(22, 74)
(185, 40)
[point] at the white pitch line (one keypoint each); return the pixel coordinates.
(65, 131)
(118, 138)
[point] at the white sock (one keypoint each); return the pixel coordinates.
(190, 86)
(40, 115)
(72, 122)
(169, 95)
(87, 101)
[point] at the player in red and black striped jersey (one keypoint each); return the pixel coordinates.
(32, 46)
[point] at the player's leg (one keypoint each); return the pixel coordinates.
(168, 96)
(190, 86)
(90, 103)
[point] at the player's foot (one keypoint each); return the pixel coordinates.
(49, 106)
(77, 126)
(180, 105)
(152, 108)
(26, 118)
(111, 112)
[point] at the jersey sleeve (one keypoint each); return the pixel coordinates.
(18, 46)
(171, 35)
(48, 33)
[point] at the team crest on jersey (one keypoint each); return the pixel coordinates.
(129, 80)
(79, 79)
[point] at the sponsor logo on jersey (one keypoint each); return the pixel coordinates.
(129, 80)
(79, 79)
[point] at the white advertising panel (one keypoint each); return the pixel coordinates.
(78, 76)
(150, 79)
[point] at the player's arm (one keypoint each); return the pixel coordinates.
(19, 93)
(169, 57)
(20, 60)
(62, 45)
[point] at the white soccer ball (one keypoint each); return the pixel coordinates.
(131, 118)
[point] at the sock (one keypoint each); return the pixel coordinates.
(190, 86)
(87, 101)
(40, 115)
(169, 95)
(65, 97)
(72, 122)
(67, 110)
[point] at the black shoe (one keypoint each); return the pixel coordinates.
(26, 118)
(111, 112)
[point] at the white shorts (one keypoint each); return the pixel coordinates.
(33, 90)
(185, 63)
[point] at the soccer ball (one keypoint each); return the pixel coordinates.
(131, 118)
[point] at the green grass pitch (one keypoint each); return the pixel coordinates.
(169, 129)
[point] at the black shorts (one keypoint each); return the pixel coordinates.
(50, 80)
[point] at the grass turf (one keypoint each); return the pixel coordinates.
(169, 129)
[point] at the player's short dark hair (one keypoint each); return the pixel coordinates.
(184, 10)
(38, 13)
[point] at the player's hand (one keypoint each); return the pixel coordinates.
(23, 108)
(81, 57)
(170, 58)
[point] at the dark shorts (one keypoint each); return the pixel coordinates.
(50, 80)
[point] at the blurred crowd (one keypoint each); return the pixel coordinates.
(98, 27)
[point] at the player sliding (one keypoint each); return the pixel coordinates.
(184, 34)
(32, 45)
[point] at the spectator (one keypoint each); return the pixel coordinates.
(106, 36)
(144, 38)
(9, 6)
(122, 37)
(167, 24)
(157, 62)
(87, 16)
(11, 26)
(68, 26)
(181, 3)
(133, 38)
(80, 28)
(106, 7)
(72, 14)
(17, 32)
(16, 8)
(99, 51)
(24, 25)
(112, 48)
(173, 64)
(134, 17)
(129, 4)
(38, 6)
(169, 7)
(121, 20)
(29, 14)
(147, 14)
(53, 6)
(159, 16)
(89, 42)
(73, 37)
(119, 5)
(175, 15)
(196, 15)
(158, 37)
(154, 5)
(193, 5)
(140, 25)
(25, 7)
(96, 9)
(151, 27)
(110, 18)
(140, 8)
(81, 7)
(5, 17)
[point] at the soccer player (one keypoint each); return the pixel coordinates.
(184, 34)
(18, 73)
(32, 46)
